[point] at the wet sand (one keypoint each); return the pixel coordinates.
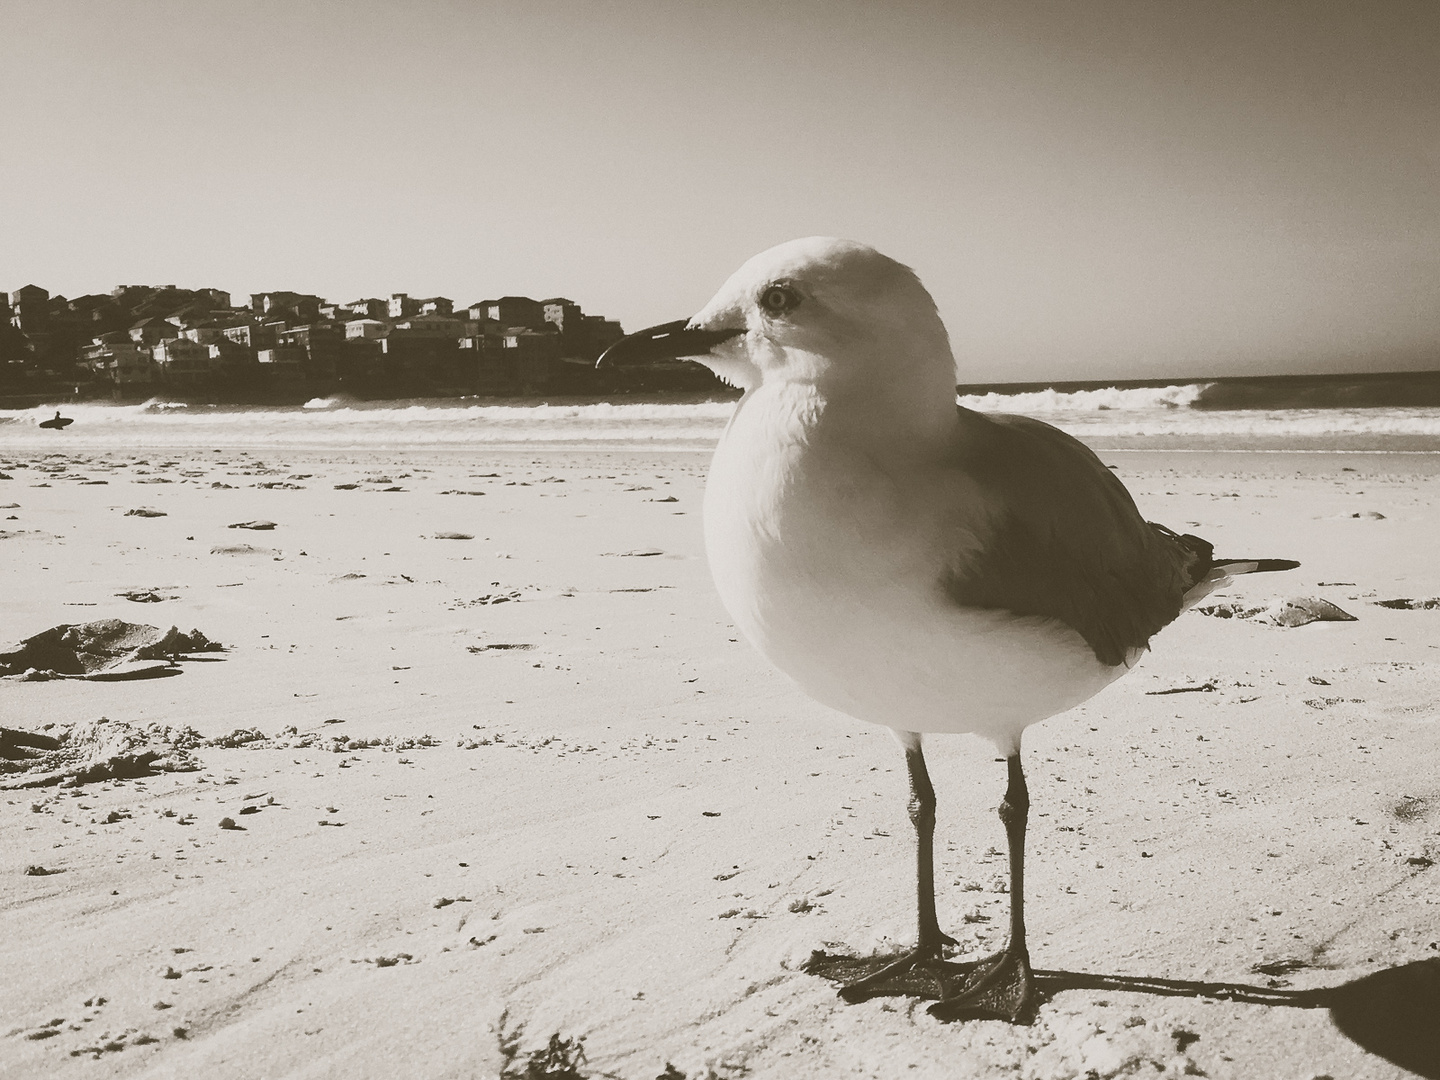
(504, 756)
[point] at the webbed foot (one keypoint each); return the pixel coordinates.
(921, 971)
(999, 988)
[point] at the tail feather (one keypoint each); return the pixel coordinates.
(1195, 560)
(1222, 570)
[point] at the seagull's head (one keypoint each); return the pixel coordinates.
(833, 312)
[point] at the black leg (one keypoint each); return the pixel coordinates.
(930, 940)
(1015, 814)
(922, 817)
(1003, 987)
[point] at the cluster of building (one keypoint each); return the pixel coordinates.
(140, 340)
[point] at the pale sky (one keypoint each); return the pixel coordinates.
(1090, 188)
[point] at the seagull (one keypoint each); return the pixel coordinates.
(910, 562)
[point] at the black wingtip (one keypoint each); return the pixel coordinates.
(1261, 566)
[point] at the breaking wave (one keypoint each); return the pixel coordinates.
(1106, 399)
(1216, 414)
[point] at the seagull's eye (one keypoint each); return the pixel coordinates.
(778, 299)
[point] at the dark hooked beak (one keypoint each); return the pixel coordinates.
(670, 341)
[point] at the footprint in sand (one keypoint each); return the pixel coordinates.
(242, 549)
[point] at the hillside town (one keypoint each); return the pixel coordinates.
(142, 341)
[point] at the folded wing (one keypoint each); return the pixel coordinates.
(1064, 539)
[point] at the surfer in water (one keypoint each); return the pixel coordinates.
(60, 423)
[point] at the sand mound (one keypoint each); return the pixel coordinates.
(1296, 612)
(105, 649)
(93, 750)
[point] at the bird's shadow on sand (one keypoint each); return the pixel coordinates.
(1394, 1013)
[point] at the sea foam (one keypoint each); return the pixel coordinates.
(1120, 416)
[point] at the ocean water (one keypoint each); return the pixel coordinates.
(1170, 417)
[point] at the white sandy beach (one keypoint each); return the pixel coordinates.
(593, 811)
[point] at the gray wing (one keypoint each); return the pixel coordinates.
(1065, 540)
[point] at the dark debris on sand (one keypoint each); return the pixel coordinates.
(1297, 611)
(105, 649)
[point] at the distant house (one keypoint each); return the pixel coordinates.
(583, 337)
(299, 335)
(264, 303)
(153, 330)
(122, 363)
(511, 311)
(437, 305)
(368, 329)
(435, 326)
(192, 315)
(303, 306)
(402, 306)
(319, 345)
(183, 362)
(373, 308)
(563, 313)
(204, 333)
(249, 334)
(30, 309)
(481, 334)
(94, 308)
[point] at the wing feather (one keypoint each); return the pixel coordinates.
(1065, 540)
